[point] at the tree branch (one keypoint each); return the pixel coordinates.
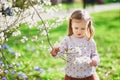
(43, 24)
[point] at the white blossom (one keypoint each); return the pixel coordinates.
(1, 34)
(24, 39)
(44, 33)
(16, 33)
(2, 38)
(34, 38)
(17, 55)
(82, 60)
(47, 2)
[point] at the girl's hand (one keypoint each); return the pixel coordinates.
(55, 51)
(93, 63)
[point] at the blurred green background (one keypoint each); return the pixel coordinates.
(31, 55)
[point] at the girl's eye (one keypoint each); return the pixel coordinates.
(82, 28)
(76, 27)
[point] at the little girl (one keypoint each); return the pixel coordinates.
(80, 48)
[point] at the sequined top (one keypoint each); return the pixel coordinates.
(80, 52)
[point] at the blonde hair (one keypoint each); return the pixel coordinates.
(81, 15)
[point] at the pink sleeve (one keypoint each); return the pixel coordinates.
(63, 47)
(94, 53)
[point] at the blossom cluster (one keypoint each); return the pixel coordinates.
(10, 27)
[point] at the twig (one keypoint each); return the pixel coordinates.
(43, 24)
(45, 29)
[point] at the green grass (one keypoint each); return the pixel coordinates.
(107, 35)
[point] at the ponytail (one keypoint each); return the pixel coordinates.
(90, 30)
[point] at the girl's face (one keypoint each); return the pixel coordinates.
(79, 28)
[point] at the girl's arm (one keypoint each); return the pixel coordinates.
(94, 54)
(58, 51)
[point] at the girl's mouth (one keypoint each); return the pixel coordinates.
(79, 34)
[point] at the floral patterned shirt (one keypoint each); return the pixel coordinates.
(80, 52)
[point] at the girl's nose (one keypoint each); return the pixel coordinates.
(79, 31)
